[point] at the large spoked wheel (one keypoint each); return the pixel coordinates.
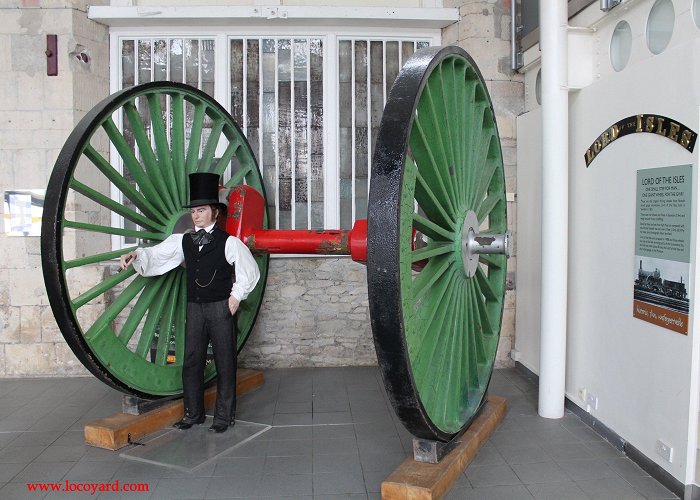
(126, 329)
(437, 181)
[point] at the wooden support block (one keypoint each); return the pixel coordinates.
(415, 480)
(118, 430)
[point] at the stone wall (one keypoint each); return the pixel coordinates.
(315, 310)
(484, 32)
(37, 112)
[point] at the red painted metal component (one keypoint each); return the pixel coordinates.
(245, 216)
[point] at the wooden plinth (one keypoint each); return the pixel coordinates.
(116, 431)
(414, 480)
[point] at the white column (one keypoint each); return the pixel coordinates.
(555, 206)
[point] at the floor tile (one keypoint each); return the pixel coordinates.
(338, 482)
(518, 492)
(587, 469)
(557, 491)
(43, 471)
(650, 488)
(540, 472)
(288, 465)
(337, 463)
(177, 487)
(487, 475)
(278, 486)
(523, 454)
(608, 488)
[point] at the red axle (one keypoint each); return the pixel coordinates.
(245, 218)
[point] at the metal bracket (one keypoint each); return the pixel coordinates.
(431, 452)
(133, 405)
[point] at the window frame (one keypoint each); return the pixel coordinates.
(331, 35)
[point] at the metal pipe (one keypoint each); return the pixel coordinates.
(555, 206)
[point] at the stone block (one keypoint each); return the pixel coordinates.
(9, 21)
(28, 49)
(31, 292)
(9, 92)
(15, 252)
(66, 361)
(10, 324)
(49, 329)
(15, 139)
(30, 330)
(29, 170)
(21, 120)
(30, 359)
(50, 139)
(3, 371)
(32, 95)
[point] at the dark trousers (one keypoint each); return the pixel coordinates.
(210, 321)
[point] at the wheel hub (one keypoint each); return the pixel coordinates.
(473, 244)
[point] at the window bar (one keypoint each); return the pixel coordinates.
(260, 112)
(292, 131)
(352, 129)
(308, 133)
(244, 90)
(369, 115)
(276, 136)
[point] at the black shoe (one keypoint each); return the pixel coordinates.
(218, 428)
(185, 424)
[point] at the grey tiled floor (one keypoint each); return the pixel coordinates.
(334, 436)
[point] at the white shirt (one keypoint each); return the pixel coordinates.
(168, 254)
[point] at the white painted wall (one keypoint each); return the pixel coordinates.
(640, 373)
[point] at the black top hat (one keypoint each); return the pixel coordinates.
(204, 190)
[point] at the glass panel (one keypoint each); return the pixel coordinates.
(192, 62)
(392, 64)
(252, 128)
(176, 60)
(127, 63)
(696, 12)
(301, 130)
(345, 124)
(160, 60)
(621, 45)
(237, 87)
(144, 61)
(269, 128)
(284, 131)
(208, 67)
(317, 158)
(660, 25)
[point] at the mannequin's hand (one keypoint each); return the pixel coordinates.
(126, 260)
(233, 304)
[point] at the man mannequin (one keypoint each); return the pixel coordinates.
(209, 255)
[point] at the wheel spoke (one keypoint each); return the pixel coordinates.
(96, 228)
(485, 285)
(491, 260)
(431, 250)
(485, 207)
(195, 138)
(132, 165)
(432, 108)
(154, 314)
(423, 156)
(238, 178)
(210, 147)
(448, 378)
(165, 326)
(101, 288)
(160, 138)
(177, 138)
(126, 296)
(225, 159)
(150, 164)
(427, 199)
(446, 109)
(98, 257)
(123, 185)
(115, 207)
(139, 310)
(475, 156)
(429, 276)
(431, 229)
(476, 343)
(487, 171)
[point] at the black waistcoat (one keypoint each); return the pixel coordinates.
(209, 276)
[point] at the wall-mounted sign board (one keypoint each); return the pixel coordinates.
(662, 246)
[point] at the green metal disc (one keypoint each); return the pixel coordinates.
(436, 327)
(129, 330)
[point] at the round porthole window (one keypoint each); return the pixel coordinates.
(621, 45)
(696, 12)
(660, 25)
(538, 87)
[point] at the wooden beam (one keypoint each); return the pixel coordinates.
(414, 480)
(120, 429)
